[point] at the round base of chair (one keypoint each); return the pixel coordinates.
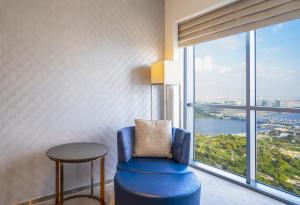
(158, 189)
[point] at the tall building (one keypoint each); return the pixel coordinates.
(297, 134)
(264, 103)
(276, 103)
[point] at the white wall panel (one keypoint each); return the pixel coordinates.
(70, 70)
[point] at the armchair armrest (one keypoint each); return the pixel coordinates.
(125, 141)
(181, 146)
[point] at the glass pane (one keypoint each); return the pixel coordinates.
(220, 139)
(220, 71)
(277, 63)
(278, 150)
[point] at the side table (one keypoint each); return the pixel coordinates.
(78, 153)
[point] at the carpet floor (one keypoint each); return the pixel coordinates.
(214, 191)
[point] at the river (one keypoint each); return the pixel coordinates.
(212, 126)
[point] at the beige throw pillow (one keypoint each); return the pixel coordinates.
(153, 138)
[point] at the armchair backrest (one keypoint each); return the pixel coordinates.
(181, 140)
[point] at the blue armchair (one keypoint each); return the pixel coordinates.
(155, 181)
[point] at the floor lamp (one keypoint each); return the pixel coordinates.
(165, 73)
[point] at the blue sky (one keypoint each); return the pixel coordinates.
(220, 64)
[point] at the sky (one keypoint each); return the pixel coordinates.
(220, 68)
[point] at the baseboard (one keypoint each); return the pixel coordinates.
(67, 192)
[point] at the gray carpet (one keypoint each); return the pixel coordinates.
(215, 191)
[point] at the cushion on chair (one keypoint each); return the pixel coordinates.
(159, 189)
(181, 146)
(153, 138)
(153, 165)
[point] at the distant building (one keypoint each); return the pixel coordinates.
(276, 103)
(297, 134)
(287, 124)
(230, 102)
(264, 103)
(282, 135)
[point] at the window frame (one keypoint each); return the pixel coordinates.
(250, 108)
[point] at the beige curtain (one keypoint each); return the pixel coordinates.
(241, 16)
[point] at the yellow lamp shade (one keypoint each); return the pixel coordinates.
(163, 72)
(157, 72)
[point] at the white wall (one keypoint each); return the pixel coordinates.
(70, 70)
(178, 10)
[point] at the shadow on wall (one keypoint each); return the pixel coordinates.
(141, 75)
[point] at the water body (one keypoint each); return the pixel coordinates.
(213, 126)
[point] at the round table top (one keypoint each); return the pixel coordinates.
(77, 152)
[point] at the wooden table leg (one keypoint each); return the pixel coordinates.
(56, 183)
(92, 178)
(59, 183)
(61, 189)
(102, 181)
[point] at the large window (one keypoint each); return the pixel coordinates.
(220, 134)
(277, 85)
(246, 105)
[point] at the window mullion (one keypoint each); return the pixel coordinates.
(190, 93)
(250, 114)
(253, 103)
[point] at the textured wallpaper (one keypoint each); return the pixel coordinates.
(70, 70)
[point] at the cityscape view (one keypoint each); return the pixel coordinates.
(264, 102)
(220, 142)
